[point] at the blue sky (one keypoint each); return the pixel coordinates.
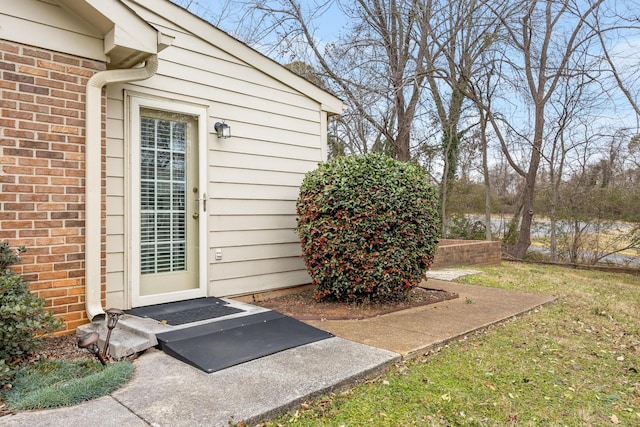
(212, 10)
(330, 23)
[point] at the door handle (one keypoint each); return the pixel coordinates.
(204, 202)
(196, 215)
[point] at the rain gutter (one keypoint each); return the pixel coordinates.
(93, 176)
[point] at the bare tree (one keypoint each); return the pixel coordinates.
(570, 128)
(399, 65)
(482, 90)
(398, 60)
(594, 200)
(459, 34)
(613, 30)
(377, 67)
(224, 14)
(546, 35)
(484, 123)
(408, 68)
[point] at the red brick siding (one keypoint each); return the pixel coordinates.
(467, 253)
(42, 105)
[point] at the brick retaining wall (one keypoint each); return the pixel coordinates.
(467, 253)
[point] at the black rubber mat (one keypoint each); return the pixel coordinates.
(225, 343)
(188, 311)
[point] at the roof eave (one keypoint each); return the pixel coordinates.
(128, 39)
(215, 36)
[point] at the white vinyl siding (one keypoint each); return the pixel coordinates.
(247, 284)
(54, 29)
(253, 177)
(116, 189)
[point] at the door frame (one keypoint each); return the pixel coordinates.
(135, 103)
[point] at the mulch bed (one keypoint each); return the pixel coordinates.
(304, 306)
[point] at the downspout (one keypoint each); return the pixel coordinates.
(93, 176)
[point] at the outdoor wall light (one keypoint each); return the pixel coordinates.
(222, 129)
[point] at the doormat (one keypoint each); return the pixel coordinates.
(225, 343)
(189, 311)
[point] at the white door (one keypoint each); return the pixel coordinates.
(169, 203)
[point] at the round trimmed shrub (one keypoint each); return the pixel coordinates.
(368, 227)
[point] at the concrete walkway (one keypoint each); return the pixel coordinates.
(414, 331)
(167, 392)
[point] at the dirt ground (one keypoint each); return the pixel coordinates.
(303, 305)
(63, 347)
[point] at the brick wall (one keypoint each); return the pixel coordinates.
(42, 105)
(467, 253)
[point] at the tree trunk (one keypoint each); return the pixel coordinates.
(553, 233)
(403, 139)
(552, 209)
(524, 236)
(485, 173)
(575, 244)
(444, 186)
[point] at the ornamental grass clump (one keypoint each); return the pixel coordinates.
(368, 227)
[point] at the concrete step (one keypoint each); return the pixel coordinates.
(126, 339)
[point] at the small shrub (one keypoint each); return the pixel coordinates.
(22, 314)
(9, 257)
(368, 227)
(462, 227)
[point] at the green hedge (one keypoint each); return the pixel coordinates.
(368, 227)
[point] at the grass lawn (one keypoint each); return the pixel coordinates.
(575, 362)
